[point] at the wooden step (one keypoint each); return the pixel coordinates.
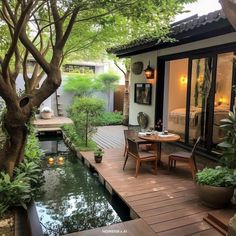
(219, 219)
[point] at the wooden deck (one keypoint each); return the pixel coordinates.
(110, 136)
(166, 202)
(53, 124)
(163, 204)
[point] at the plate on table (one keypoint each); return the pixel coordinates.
(166, 135)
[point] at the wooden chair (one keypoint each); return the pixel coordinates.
(133, 135)
(139, 156)
(187, 157)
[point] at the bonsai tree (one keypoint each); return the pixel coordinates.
(84, 112)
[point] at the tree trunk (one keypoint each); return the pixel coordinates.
(14, 147)
(229, 8)
(126, 99)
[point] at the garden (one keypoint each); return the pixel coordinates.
(49, 35)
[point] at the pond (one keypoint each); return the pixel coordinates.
(73, 199)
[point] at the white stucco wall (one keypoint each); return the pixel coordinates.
(135, 108)
(205, 43)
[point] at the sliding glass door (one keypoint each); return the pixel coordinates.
(200, 94)
(197, 95)
(209, 97)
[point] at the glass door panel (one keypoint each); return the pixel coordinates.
(176, 97)
(201, 83)
(223, 90)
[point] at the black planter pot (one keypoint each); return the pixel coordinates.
(98, 159)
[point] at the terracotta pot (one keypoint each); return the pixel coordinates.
(98, 159)
(46, 115)
(215, 197)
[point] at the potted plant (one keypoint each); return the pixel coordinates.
(46, 113)
(216, 185)
(98, 154)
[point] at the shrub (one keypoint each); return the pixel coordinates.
(84, 113)
(110, 118)
(82, 85)
(218, 177)
(228, 143)
(27, 179)
(70, 132)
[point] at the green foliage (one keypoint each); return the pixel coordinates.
(81, 85)
(33, 171)
(14, 192)
(123, 23)
(28, 177)
(98, 152)
(109, 118)
(107, 81)
(75, 138)
(218, 177)
(32, 150)
(84, 112)
(228, 143)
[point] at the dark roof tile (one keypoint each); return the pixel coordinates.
(177, 28)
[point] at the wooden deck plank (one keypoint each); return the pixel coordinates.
(178, 222)
(199, 228)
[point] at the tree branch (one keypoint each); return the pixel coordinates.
(18, 28)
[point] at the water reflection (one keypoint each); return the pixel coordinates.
(73, 199)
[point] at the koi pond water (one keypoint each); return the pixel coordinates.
(73, 199)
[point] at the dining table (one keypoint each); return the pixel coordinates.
(158, 138)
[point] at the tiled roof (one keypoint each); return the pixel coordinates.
(179, 30)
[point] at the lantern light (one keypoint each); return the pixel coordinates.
(149, 72)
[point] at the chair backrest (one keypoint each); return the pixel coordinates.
(194, 149)
(129, 134)
(132, 147)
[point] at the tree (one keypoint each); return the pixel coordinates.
(107, 82)
(84, 113)
(40, 29)
(229, 8)
(126, 72)
(81, 85)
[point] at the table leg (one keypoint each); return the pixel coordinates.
(158, 153)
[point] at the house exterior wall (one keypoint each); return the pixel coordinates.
(135, 108)
(152, 56)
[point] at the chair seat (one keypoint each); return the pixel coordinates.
(144, 155)
(186, 155)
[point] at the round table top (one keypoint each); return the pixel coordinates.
(160, 138)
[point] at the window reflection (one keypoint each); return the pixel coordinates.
(222, 93)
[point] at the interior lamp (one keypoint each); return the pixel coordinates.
(149, 72)
(183, 79)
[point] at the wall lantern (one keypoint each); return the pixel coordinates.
(149, 72)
